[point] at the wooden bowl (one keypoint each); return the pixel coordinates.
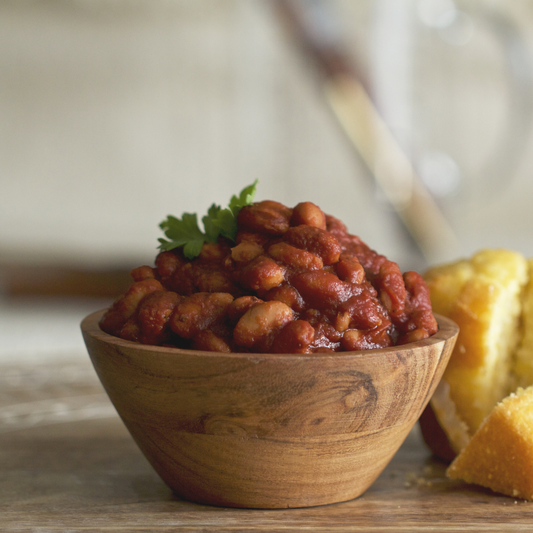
(268, 430)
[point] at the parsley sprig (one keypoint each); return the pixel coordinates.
(185, 232)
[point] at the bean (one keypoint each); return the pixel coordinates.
(260, 275)
(312, 316)
(167, 263)
(316, 241)
(365, 311)
(182, 280)
(417, 311)
(267, 217)
(350, 269)
(419, 295)
(295, 337)
(239, 306)
(413, 336)
(208, 341)
(248, 236)
(335, 226)
(354, 339)
(391, 288)
(420, 319)
(328, 331)
(246, 251)
(130, 331)
(258, 326)
(322, 290)
(323, 349)
(309, 214)
(212, 251)
(326, 337)
(198, 312)
(370, 260)
(209, 277)
(117, 315)
(295, 257)
(342, 321)
(425, 319)
(154, 314)
(142, 272)
(288, 295)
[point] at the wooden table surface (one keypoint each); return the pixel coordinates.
(68, 464)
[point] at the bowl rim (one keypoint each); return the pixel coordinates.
(90, 326)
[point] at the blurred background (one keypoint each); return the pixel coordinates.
(116, 113)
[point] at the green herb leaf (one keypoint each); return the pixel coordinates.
(186, 233)
(245, 198)
(226, 222)
(183, 232)
(193, 248)
(211, 230)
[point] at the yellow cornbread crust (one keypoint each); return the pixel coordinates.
(523, 360)
(484, 296)
(500, 455)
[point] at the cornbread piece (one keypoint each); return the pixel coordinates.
(523, 360)
(456, 432)
(500, 455)
(483, 296)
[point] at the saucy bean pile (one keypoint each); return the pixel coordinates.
(295, 281)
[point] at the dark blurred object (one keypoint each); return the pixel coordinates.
(434, 436)
(22, 279)
(316, 29)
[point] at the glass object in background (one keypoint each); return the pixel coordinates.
(453, 80)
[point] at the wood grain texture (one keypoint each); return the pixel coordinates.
(70, 472)
(268, 430)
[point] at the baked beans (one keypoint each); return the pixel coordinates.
(295, 281)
